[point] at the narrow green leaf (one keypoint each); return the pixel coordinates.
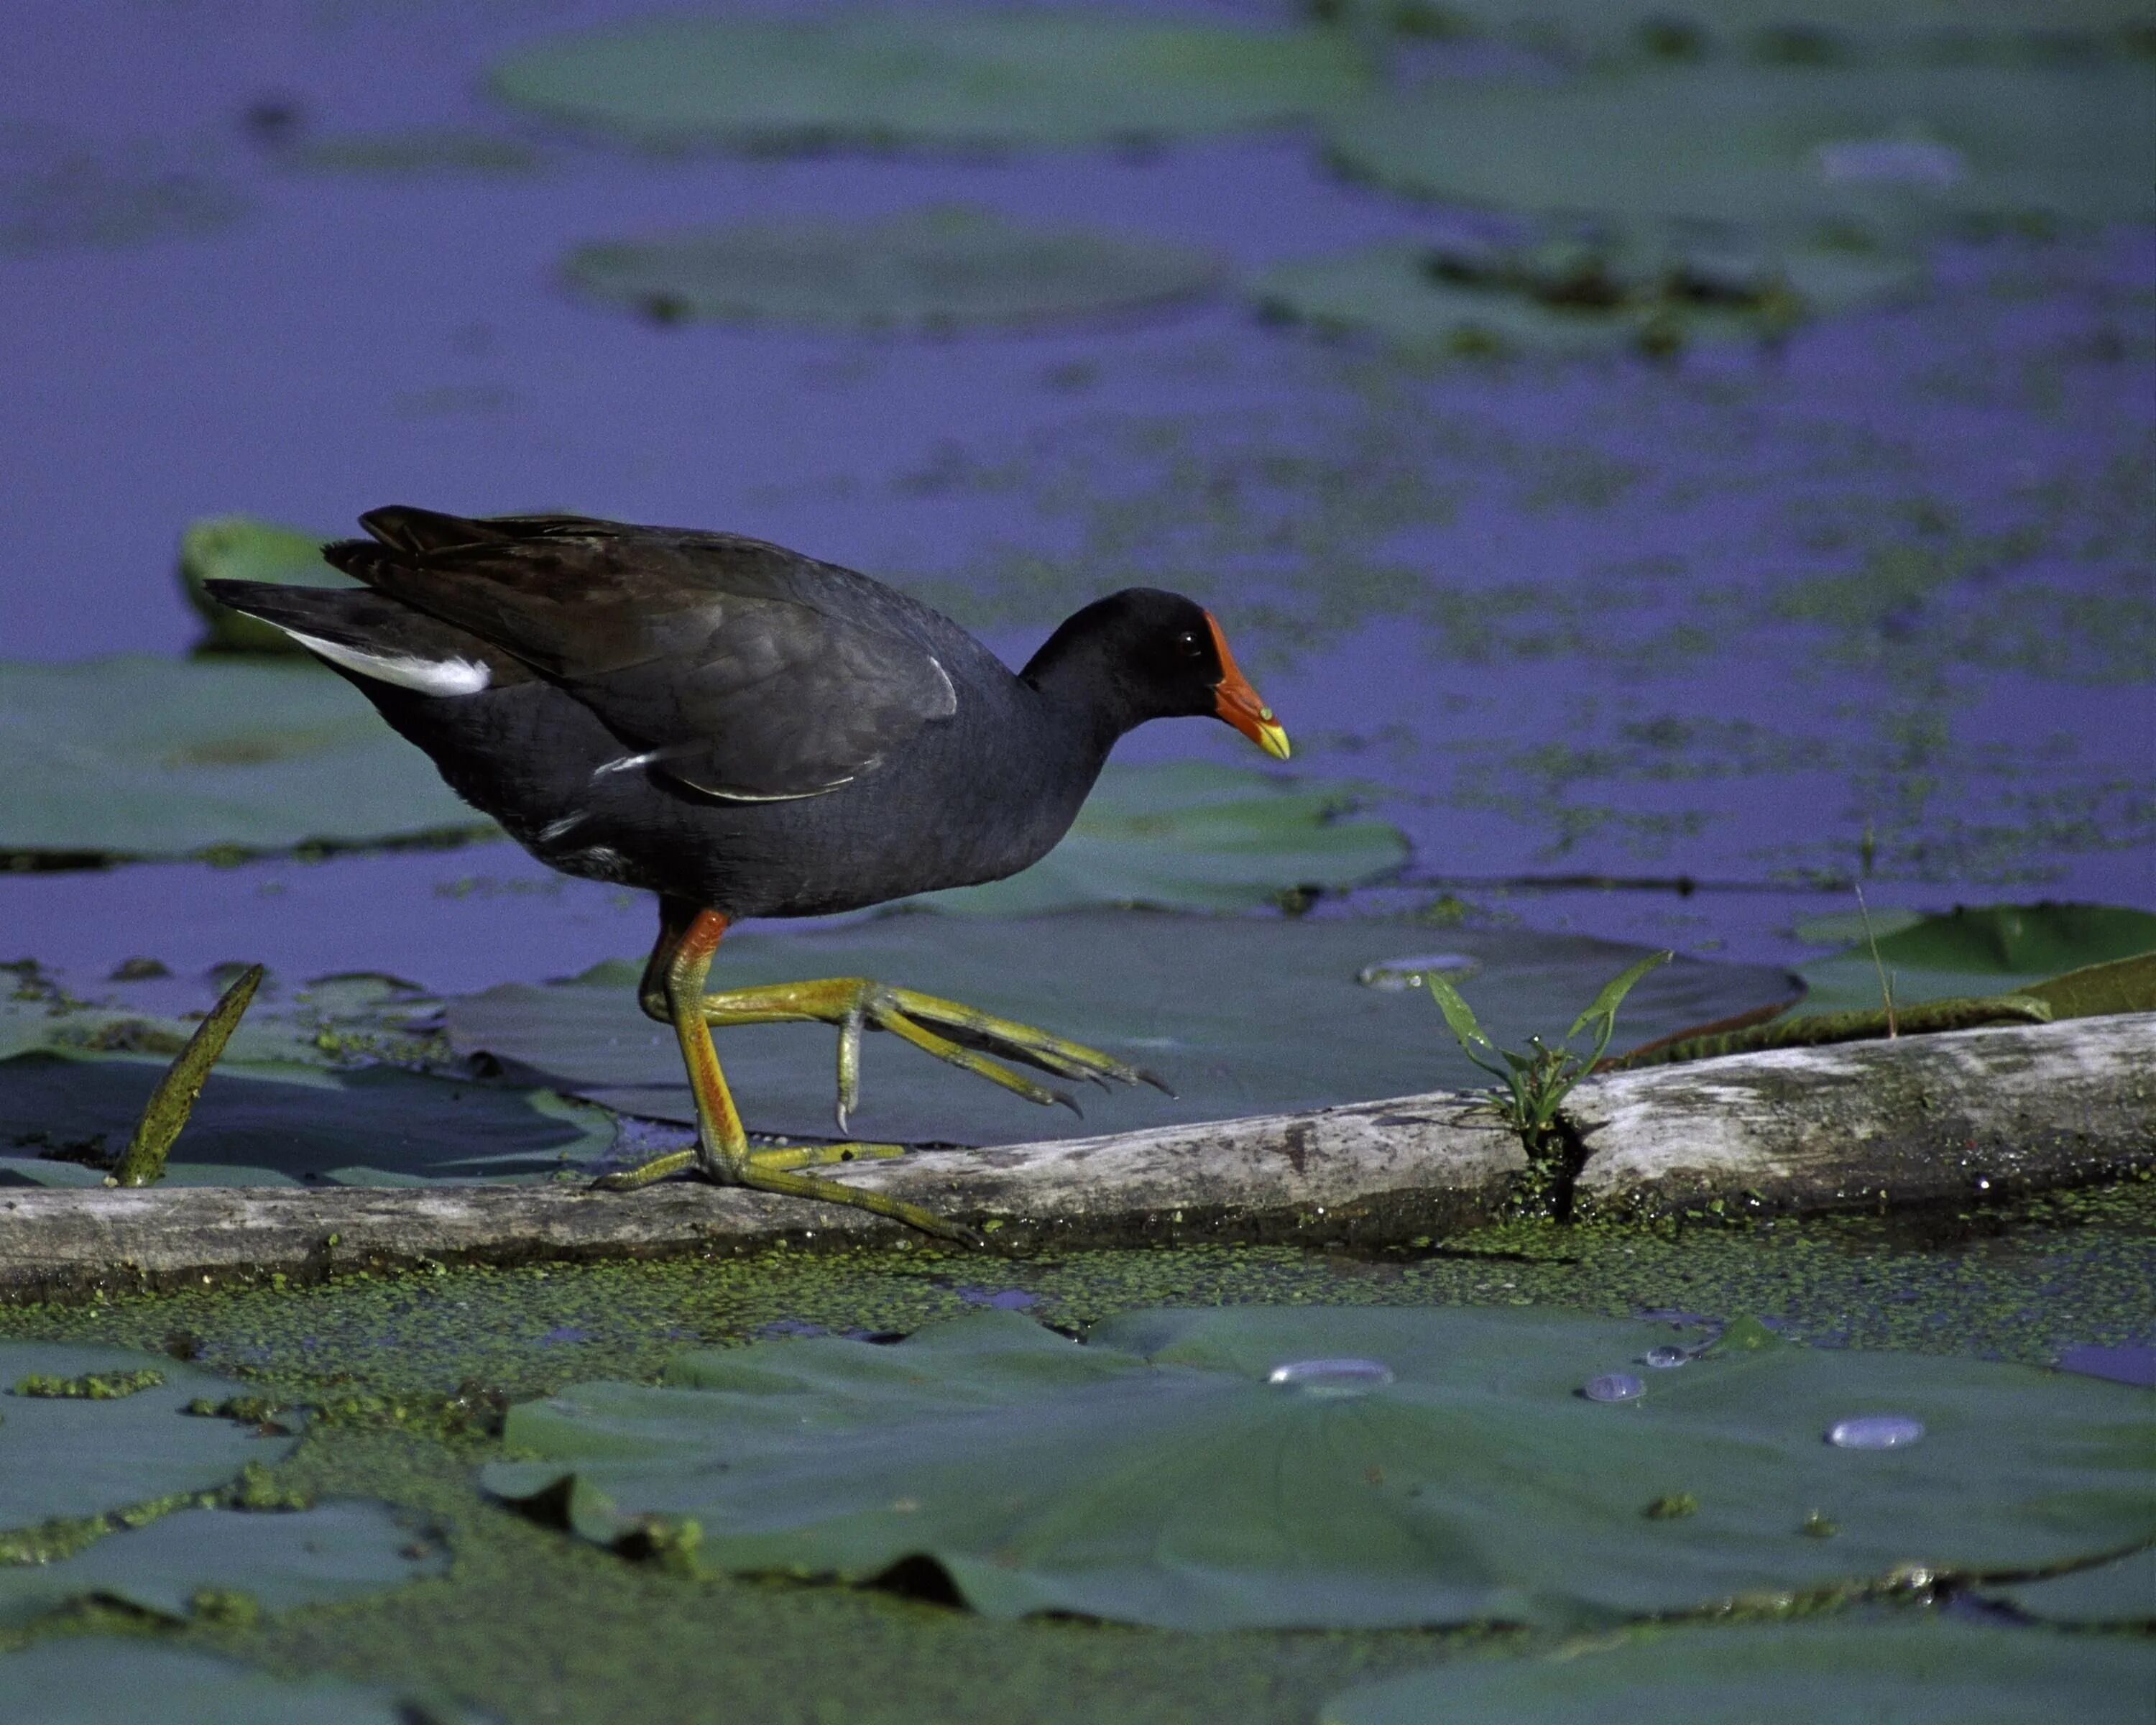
(174, 1099)
(1459, 1016)
(1603, 1007)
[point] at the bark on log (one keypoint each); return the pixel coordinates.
(1916, 1119)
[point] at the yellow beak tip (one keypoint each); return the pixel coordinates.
(1274, 740)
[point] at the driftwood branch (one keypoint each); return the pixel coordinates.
(1917, 1119)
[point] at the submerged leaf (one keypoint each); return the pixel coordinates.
(1189, 835)
(1170, 1473)
(299, 1557)
(272, 1125)
(1923, 1672)
(137, 756)
(1883, 153)
(924, 271)
(73, 1457)
(1240, 1015)
(1073, 76)
(103, 1680)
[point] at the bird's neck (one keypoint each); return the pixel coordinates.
(1085, 696)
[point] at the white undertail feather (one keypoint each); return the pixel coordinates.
(406, 670)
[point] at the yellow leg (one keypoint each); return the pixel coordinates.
(722, 1153)
(853, 1003)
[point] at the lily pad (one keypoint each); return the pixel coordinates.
(1418, 1466)
(1570, 297)
(933, 269)
(1805, 31)
(1241, 1016)
(1918, 1673)
(137, 756)
(278, 1560)
(2123, 1591)
(264, 1124)
(1189, 835)
(1880, 153)
(69, 1457)
(1983, 949)
(244, 547)
(940, 79)
(102, 1680)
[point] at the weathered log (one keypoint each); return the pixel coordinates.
(1913, 1120)
(1917, 1119)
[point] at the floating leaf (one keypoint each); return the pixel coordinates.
(2124, 985)
(58, 191)
(949, 78)
(1913, 1673)
(1171, 1473)
(137, 756)
(1980, 950)
(244, 547)
(1189, 835)
(926, 270)
(280, 1126)
(102, 1680)
(278, 1561)
(1810, 31)
(1505, 299)
(1885, 151)
(1241, 1016)
(73, 1457)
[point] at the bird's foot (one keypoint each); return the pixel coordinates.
(780, 1157)
(775, 1169)
(966, 1037)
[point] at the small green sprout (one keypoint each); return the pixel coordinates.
(174, 1099)
(1536, 1082)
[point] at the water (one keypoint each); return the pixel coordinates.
(1875, 1431)
(1662, 1358)
(1331, 1376)
(1613, 1387)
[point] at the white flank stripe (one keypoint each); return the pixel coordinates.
(426, 676)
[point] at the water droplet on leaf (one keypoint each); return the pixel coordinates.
(1331, 1376)
(1662, 1358)
(1613, 1387)
(1875, 1431)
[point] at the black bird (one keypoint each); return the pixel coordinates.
(747, 731)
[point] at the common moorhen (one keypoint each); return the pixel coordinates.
(747, 731)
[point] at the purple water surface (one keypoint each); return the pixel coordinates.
(1714, 620)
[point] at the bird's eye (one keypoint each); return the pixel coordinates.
(1190, 646)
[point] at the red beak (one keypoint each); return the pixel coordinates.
(1236, 701)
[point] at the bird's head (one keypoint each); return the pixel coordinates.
(1144, 654)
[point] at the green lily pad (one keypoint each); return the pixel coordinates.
(940, 79)
(1241, 1016)
(1163, 1475)
(278, 1560)
(2123, 1591)
(1984, 949)
(244, 547)
(1803, 30)
(136, 756)
(942, 268)
(66, 1457)
(1569, 298)
(1880, 153)
(102, 1680)
(266, 1125)
(1188, 835)
(1833, 1673)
